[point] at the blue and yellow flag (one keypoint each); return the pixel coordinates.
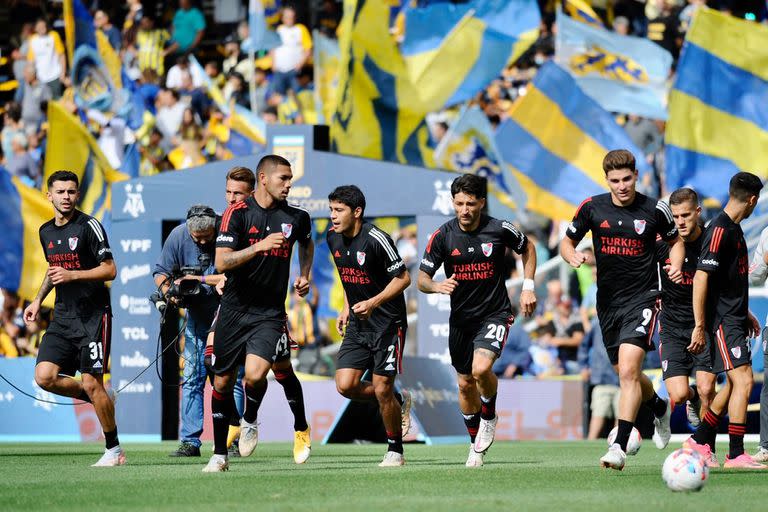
(718, 120)
(71, 147)
(622, 73)
(469, 146)
(581, 10)
(453, 51)
(326, 66)
(23, 210)
(554, 143)
(379, 112)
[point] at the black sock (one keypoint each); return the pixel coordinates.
(111, 439)
(706, 433)
(656, 405)
(472, 421)
(395, 442)
(398, 397)
(695, 396)
(295, 396)
(84, 397)
(221, 408)
(624, 431)
(736, 433)
(234, 416)
(488, 408)
(253, 398)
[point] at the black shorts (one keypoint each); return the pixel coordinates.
(676, 361)
(238, 334)
(490, 334)
(628, 324)
(382, 351)
(730, 348)
(78, 344)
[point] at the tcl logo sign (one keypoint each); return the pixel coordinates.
(135, 333)
(135, 245)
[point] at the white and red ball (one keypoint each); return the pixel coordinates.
(685, 470)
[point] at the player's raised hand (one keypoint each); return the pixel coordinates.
(447, 286)
(576, 259)
(675, 274)
(342, 320)
(301, 285)
(273, 241)
(697, 341)
(31, 311)
(527, 302)
(364, 309)
(59, 275)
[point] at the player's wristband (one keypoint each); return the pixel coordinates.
(202, 279)
(528, 285)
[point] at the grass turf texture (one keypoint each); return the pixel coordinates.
(517, 476)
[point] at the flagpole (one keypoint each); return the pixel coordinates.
(252, 55)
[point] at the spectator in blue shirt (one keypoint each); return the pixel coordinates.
(193, 244)
(515, 358)
(101, 22)
(187, 28)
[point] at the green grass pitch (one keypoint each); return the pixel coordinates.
(559, 476)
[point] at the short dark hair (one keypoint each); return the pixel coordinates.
(619, 159)
(743, 185)
(684, 195)
(349, 195)
(269, 162)
(63, 176)
(470, 184)
(243, 174)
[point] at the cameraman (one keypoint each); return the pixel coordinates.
(185, 276)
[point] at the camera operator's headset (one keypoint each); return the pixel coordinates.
(194, 211)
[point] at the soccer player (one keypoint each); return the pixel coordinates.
(239, 187)
(624, 225)
(374, 277)
(758, 273)
(254, 250)
(677, 363)
(722, 316)
(79, 263)
(471, 250)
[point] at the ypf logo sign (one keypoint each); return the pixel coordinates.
(134, 202)
(443, 202)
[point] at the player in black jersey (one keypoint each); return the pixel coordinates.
(240, 183)
(624, 225)
(722, 317)
(677, 363)
(254, 250)
(471, 250)
(374, 277)
(79, 263)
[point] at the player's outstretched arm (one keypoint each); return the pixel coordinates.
(428, 285)
(306, 254)
(700, 285)
(676, 259)
(395, 287)
(528, 295)
(106, 271)
(229, 259)
(569, 253)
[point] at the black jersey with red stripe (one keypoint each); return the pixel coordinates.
(677, 298)
(80, 244)
(476, 260)
(624, 239)
(261, 284)
(724, 256)
(366, 264)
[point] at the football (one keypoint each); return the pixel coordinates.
(634, 443)
(685, 470)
